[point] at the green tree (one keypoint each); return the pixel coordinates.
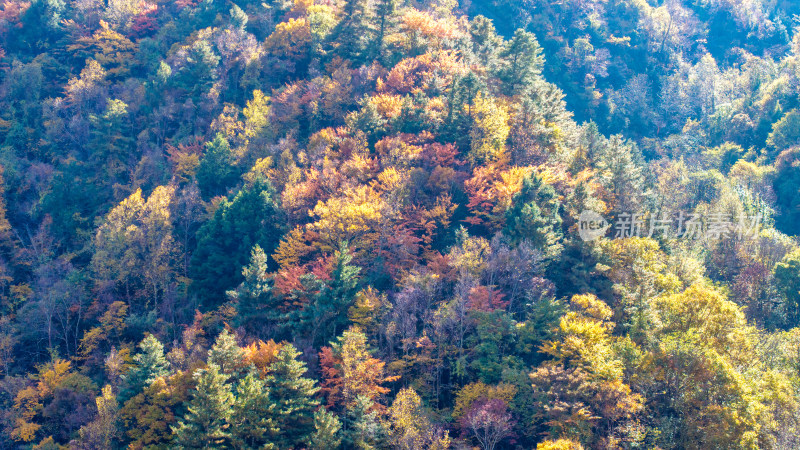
(327, 315)
(364, 430)
(207, 419)
(111, 146)
(226, 354)
(785, 132)
(622, 173)
(461, 110)
(292, 396)
(787, 280)
(522, 61)
(326, 434)
(384, 16)
(253, 423)
(225, 241)
(216, 172)
(485, 41)
(198, 71)
(238, 18)
(253, 297)
(787, 191)
(150, 365)
(352, 34)
(534, 215)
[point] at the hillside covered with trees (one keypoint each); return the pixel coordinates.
(374, 224)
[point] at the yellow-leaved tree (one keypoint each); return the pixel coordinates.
(409, 425)
(134, 249)
(357, 218)
(583, 389)
(489, 131)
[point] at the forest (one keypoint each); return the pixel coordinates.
(399, 224)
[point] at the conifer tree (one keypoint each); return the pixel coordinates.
(522, 60)
(787, 191)
(253, 296)
(364, 429)
(292, 395)
(8, 245)
(225, 241)
(328, 313)
(461, 108)
(111, 145)
(384, 16)
(207, 420)
(150, 365)
(485, 41)
(326, 434)
(622, 173)
(787, 280)
(216, 172)
(252, 420)
(534, 215)
(353, 32)
(226, 354)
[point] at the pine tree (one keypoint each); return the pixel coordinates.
(384, 16)
(253, 297)
(328, 313)
(207, 419)
(622, 172)
(319, 304)
(216, 172)
(293, 397)
(111, 146)
(787, 281)
(485, 41)
(238, 18)
(353, 32)
(461, 108)
(8, 247)
(150, 365)
(252, 421)
(225, 241)
(227, 355)
(364, 429)
(326, 434)
(534, 215)
(523, 62)
(787, 191)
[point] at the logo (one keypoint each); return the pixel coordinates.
(592, 225)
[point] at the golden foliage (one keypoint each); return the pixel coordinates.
(290, 39)
(479, 390)
(261, 355)
(489, 131)
(112, 321)
(559, 444)
(410, 429)
(354, 218)
(28, 401)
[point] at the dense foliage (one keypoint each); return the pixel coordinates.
(358, 224)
